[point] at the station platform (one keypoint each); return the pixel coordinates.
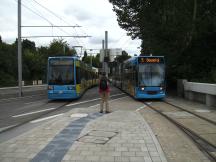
(85, 135)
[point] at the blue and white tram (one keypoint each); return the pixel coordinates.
(68, 77)
(144, 77)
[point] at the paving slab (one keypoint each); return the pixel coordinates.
(120, 136)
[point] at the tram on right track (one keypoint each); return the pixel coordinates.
(143, 77)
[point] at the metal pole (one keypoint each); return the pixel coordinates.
(106, 40)
(19, 50)
(103, 44)
(106, 52)
(103, 65)
(91, 59)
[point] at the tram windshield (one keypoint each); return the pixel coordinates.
(151, 74)
(61, 72)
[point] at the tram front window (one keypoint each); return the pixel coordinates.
(151, 74)
(61, 74)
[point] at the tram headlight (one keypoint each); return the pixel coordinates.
(142, 88)
(71, 88)
(161, 88)
(50, 88)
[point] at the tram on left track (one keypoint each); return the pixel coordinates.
(69, 78)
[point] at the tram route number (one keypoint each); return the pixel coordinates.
(149, 60)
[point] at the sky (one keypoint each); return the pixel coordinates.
(94, 16)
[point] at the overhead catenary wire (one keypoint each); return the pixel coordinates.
(58, 18)
(41, 36)
(52, 24)
(44, 26)
(35, 13)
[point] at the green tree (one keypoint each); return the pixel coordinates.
(123, 57)
(8, 65)
(60, 48)
(85, 56)
(96, 61)
(34, 60)
(182, 31)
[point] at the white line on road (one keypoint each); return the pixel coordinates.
(110, 101)
(92, 100)
(118, 98)
(17, 98)
(142, 107)
(2, 129)
(34, 112)
(34, 102)
(50, 117)
(94, 105)
(46, 118)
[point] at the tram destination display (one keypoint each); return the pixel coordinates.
(142, 60)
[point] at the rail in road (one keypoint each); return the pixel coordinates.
(16, 112)
(200, 135)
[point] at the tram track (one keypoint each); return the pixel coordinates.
(67, 106)
(207, 147)
(195, 114)
(34, 118)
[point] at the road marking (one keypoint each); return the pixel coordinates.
(17, 98)
(94, 105)
(46, 118)
(78, 115)
(33, 112)
(202, 111)
(109, 101)
(3, 128)
(34, 102)
(149, 103)
(142, 107)
(118, 98)
(92, 100)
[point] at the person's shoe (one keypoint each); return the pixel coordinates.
(101, 111)
(108, 111)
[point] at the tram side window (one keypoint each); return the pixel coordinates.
(134, 75)
(78, 75)
(86, 75)
(83, 74)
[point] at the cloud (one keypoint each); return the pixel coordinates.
(79, 13)
(95, 17)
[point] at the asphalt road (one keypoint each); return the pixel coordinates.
(20, 111)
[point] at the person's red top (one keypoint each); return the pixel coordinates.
(107, 90)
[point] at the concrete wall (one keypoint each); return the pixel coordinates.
(27, 90)
(201, 92)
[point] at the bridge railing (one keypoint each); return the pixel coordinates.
(202, 92)
(27, 90)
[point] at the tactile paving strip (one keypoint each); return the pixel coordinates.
(57, 148)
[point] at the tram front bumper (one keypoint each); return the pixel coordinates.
(150, 96)
(62, 95)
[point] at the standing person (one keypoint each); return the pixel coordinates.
(104, 91)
